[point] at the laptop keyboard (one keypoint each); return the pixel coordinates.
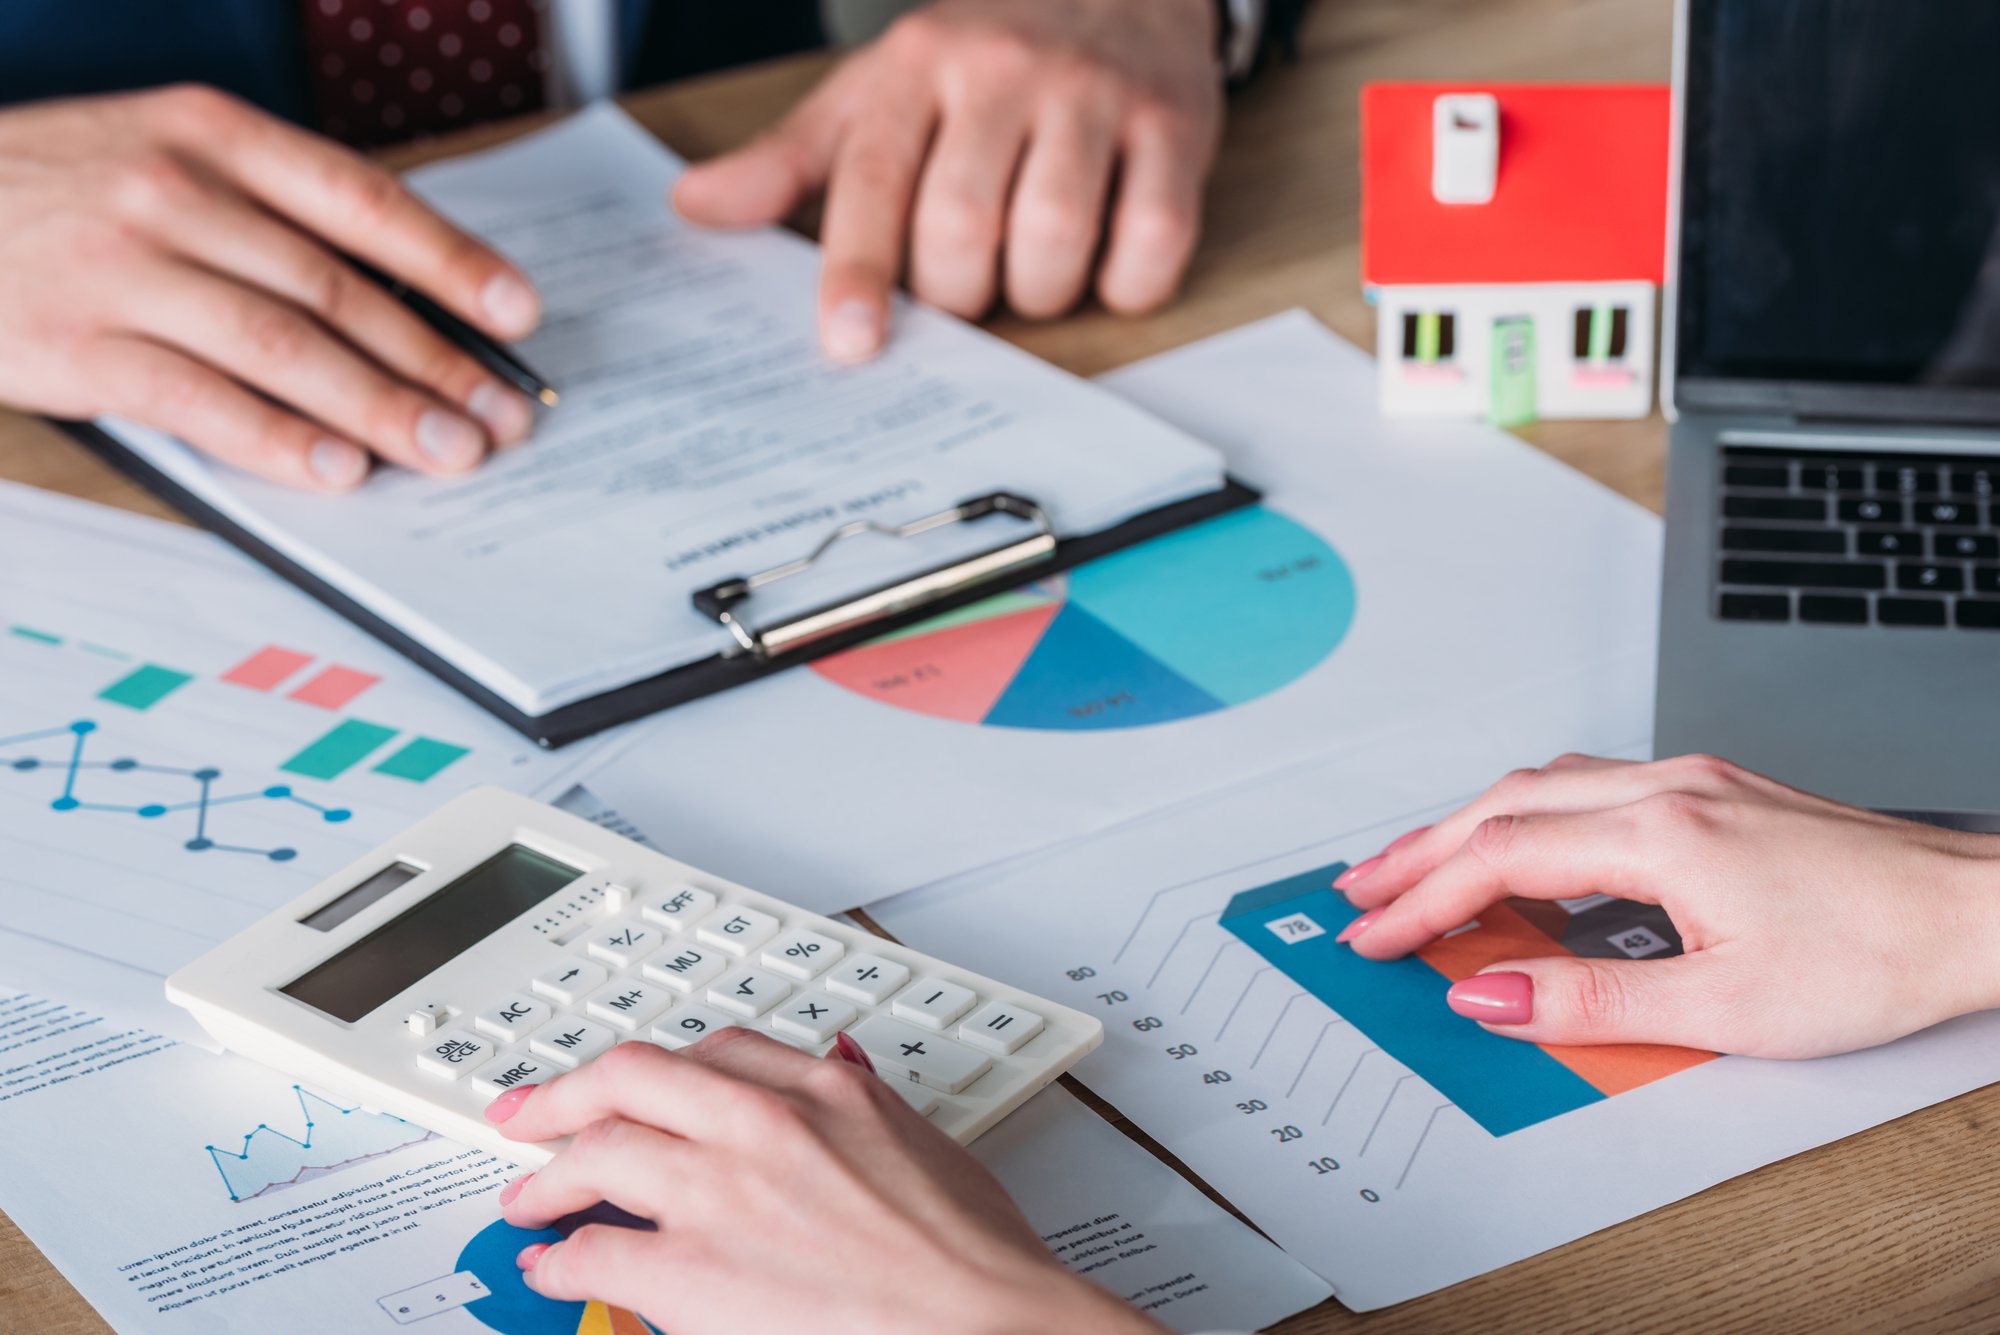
(1843, 538)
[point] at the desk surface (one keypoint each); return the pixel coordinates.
(1894, 1230)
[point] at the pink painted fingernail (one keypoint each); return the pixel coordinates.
(1494, 998)
(852, 331)
(532, 1253)
(508, 1104)
(1402, 839)
(851, 1051)
(1359, 925)
(1354, 875)
(513, 1189)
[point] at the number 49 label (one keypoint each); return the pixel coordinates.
(1295, 928)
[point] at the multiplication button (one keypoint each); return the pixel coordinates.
(813, 1016)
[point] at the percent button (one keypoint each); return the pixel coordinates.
(802, 954)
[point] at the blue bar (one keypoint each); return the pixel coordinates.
(1501, 1083)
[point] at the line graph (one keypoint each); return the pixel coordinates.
(78, 795)
(332, 1137)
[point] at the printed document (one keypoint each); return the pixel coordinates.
(186, 1193)
(702, 435)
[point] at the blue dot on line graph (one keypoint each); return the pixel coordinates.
(80, 790)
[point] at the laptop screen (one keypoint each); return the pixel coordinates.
(1840, 212)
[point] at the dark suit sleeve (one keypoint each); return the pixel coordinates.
(679, 38)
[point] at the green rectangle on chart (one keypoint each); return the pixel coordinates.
(421, 759)
(144, 687)
(38, 636)
(338, 750)
(1427, 337)
(1600, 334)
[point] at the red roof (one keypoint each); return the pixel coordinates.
(1581, 194)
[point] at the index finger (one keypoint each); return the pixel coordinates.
(1565, 856)
(868, 200)
(358, 207)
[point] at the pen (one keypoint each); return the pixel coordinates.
(488, 352)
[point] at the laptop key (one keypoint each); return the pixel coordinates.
(1929, 578)
(1986, 579)
(1756, 475)
(1757, 607)
(1875, 512)
(1807, 574)
(1907, 481)
(1965, 546)
(1822, 541)
(1778, 507)
(1829, 609)
(1829, 477)
(1979, 613)
(1889, 542)
(1910, 611)
(1954, 514)
(1973, 481)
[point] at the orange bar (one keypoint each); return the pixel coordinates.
(334, 688)
(266, 668)
(1503, 935)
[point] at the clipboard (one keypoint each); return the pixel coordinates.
(761, 648)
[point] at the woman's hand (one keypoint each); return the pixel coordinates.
(790, 1193)
(1809, 927)
(174, 257)
(1002, 146)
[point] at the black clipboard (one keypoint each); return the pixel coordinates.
(724, 602)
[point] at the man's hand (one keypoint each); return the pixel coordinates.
(999, 146)
(172, 257)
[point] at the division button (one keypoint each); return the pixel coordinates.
(866, 978)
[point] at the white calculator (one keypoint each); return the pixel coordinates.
(501, 942)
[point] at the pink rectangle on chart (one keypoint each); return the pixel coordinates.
(267, 667)
(334, 688)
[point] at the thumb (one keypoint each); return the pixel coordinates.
(1567, 1000)
(763, 182)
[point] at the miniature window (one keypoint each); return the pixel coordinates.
(1602, 333)
(1429, 336)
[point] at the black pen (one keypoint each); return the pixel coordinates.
(490, 353)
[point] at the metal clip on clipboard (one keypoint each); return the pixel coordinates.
(722, 601)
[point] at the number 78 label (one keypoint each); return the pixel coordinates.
(1295, 927)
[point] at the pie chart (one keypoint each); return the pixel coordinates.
(512, 1308)
(1187, 624)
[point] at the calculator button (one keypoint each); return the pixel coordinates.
(511, 1071)
(689, 1024)
(427, 1020)
(738, 931)
(570, 982)
(678, 908)
(569, 1041)
(915, 1095)
(748, 993)
(933, 1003)
(801, 954)
(999, 1026)
(812, 1015)
(454, 1053)
(617, 898)
(905, 1052)
(684, 967)
(512, 1019)
(866, 978)
(628, 1005)
(623, 942)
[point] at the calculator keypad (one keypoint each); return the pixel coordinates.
(673, 966)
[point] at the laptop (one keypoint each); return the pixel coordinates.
(1831, 364)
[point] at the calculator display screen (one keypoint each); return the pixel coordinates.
(434, 932)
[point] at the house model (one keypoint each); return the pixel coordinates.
(1513, 240)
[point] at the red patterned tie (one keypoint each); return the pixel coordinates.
(388, 70)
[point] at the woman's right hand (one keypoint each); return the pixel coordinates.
(1809, 927)
(173, 257)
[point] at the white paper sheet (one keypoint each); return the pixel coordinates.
(1454, 566)
(130, 1202)
(115, 872)
(702, 435)
(1301, 1116)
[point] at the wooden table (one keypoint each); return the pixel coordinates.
(1894, 1230)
